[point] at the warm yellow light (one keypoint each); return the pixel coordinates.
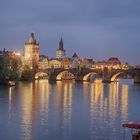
(18, 54)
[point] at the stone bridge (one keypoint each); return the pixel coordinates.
(107, 75)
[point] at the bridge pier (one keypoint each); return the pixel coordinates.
(137, 79)
(78, 78)
(52, 78)
(106, 80)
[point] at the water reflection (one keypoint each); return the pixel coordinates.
(67, 107)
(26, 110)
(11, 94)
(96, 108)
(10, 98)
(105, 105)
(54, 111)
(64, 107)
(34, 104)
(113, 100)
(124, 102)
(45, 93)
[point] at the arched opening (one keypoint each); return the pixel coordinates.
(116, 76)
(65, 75)
(41, 75)
(90, 76)
(121, 75)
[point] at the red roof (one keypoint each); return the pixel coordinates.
(75, 55)
(132, 124)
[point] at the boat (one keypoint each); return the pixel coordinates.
(11, 83)
(133, 125)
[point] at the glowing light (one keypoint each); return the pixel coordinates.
(87, 76)
(124, 100)
(26, 108)
(41, 75)
(115, 76)
(65, 75)
(18, 54)
(113, 99)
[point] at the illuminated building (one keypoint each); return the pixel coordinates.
(55, 63)
(87, 63)
(43, 62)
(31, 52)
(61, 53)
(75, 61)
(100, 64)
(112, 62)
(66, 63)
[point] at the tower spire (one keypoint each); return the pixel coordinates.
(61, 44)
(61, 40)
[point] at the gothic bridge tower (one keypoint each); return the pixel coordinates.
(31, 52)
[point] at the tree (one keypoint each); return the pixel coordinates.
(27, 73)
(14, 67)
(4, 72)
(9, 67)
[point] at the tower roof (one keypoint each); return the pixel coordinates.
(75, 55)
(61, 45)
(61, 40)
(32, 39)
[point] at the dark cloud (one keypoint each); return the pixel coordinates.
(93, 28)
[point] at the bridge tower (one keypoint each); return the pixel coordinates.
(31, 52)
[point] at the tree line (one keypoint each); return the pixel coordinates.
(11, 69)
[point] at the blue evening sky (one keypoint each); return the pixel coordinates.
(95, 29)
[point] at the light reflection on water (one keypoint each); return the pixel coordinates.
(67, 110)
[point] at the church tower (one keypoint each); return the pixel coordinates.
(60, 52)
(31, 52)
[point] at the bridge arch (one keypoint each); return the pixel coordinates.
(86, 77)
(65, 75)
(114, 77)
(41, 75)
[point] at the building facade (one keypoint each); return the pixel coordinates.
(87, 63)
(55, 63)
(112, 62)
(43, 62)
(66, 63)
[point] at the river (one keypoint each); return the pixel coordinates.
(68, 110)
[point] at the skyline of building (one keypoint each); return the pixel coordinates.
(34, 59)
(60, 52)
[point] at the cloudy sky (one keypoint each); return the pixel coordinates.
(96, 29)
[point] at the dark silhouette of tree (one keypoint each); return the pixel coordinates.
(4, 71)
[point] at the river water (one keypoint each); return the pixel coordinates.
(68, 110)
